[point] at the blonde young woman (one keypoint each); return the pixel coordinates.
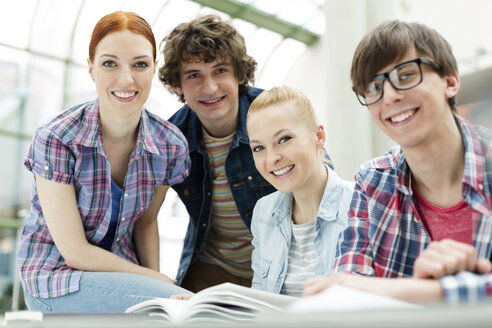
(296, 229)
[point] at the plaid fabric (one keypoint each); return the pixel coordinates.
(385, 235)
(69, 150)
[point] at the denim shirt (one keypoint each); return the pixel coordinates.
(247, 185)
(272, 232)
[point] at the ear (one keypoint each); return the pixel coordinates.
(91, 68)
(320, 137)
(452, 85)
(155, 65)
(179, 91)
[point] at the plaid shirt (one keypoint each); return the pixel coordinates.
(385, 235)
(69, 150)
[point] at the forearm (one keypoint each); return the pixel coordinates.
(93, 258)
(146, 239)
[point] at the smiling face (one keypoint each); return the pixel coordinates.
(415, 117)
(285, 150)
(122, 69)
(211, 90)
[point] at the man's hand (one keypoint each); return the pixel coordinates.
(182, 297)
(448, 257)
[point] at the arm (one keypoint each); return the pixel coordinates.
(407, 289)
(354, 251)
(146, 232)
(59, 205)
(255, 256)
(463, 276)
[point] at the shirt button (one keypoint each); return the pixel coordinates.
(204, 225)
(117, 239)
(123, 219)
(208, 193)
(250, 177)
(480, 186)
(126, 195)
(46, 167)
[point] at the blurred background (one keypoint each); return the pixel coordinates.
(306, 44)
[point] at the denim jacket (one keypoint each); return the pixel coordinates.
(247, 185)
(272, 231)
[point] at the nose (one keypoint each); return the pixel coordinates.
(273, 157)
(390, 94)
(126, 77)
(209, 85)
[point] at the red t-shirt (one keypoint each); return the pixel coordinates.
(453, 222)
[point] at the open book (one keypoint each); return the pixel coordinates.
(226, 302)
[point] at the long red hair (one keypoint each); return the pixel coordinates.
(120, 21)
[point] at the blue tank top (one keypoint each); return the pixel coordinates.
(107, 241)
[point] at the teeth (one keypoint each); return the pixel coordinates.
(283, 171)
(124, 94)
(402, 117)
(211, 101)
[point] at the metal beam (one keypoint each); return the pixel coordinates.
(248, 13)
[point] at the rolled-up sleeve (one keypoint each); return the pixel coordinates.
(50, 158)
(467, 287)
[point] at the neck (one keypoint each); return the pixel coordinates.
(437, 167)
(118, 130)
(307, 199)
(220, 129)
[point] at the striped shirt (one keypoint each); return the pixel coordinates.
(229, 240)
(301, 260)
(69, 150)
(385, 235)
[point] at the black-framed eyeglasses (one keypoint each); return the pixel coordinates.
(403, 76)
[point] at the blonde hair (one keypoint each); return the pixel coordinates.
(282, 94)
(304, 109)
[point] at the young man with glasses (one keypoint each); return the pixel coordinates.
(423, 210)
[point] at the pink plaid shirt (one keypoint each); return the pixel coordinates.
(69, 150)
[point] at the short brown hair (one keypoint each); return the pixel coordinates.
(120, 21)
(390, 41)
(206, 38)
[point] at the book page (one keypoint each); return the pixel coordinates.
(166, 308)
(341, 298)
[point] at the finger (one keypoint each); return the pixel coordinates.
(484, 266)
(317, 285)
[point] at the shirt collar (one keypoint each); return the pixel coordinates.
(328, 207)
(89, 133)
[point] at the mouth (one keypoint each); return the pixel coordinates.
(124, 96)
(402, 117)
(213, 101)
(283, 171)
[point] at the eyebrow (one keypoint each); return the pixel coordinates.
(279, 132)
(116, 57)
(193, 70)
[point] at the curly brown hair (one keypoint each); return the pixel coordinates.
(206, 38)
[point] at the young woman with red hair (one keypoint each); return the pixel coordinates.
(90, 243)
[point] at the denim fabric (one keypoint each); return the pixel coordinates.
(247, 185)
(105, 292)
(272, 231)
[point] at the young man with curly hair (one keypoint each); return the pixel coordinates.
(207, 67)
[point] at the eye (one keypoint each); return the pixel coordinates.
(141, 64)
(192, 76)
(256, 149)
(220, 70)
(284, 139)
(109, 63)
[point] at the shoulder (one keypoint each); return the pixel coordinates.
(66, 125)
(269, 203)
(181, 117)
(164, 132)
(380, 170)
